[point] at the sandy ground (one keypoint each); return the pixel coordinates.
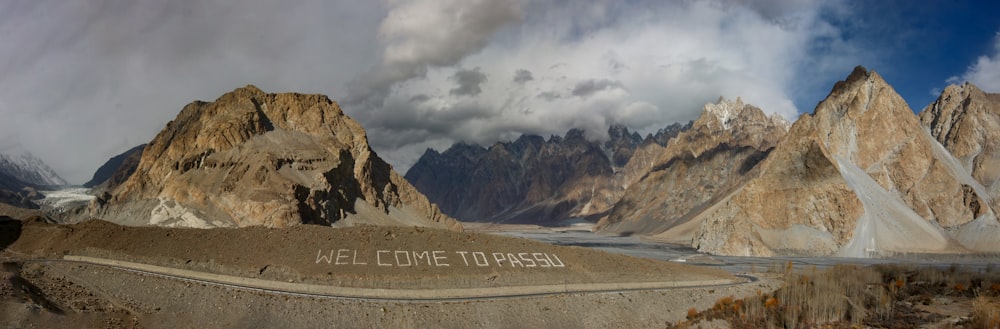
(367, 257)
(55, 294)
(92, 296)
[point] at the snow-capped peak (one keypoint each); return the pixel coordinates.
(28, 168)
(725, 110)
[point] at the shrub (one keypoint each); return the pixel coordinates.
(985, 314)
(692, 313)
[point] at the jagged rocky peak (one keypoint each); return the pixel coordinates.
(618, 132)
(706, 160)
(463, 149)
(532, 179)
(621, 144)
(857, 177)
(725, 113)
(966, 121)
(255, 158)
(733, 123)
(663, 135)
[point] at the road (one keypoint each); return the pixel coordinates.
(637, 247)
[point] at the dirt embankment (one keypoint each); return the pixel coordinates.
(364, 257)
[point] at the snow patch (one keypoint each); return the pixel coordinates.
(981, 234)
(725, 111)
(28, 168)
(780, 121)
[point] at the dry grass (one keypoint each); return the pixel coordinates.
(847, 296)
(985, 313)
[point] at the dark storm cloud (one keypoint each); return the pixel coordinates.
(419, 98)
(424, 34)
(549, 95)
(589, 87)
(468, 82)
(521, 76)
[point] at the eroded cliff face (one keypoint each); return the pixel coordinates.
(966, 121)
(533, 180)
(254, 158)
(858, 176)
(694, 170)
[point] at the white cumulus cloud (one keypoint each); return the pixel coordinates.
(985, 72)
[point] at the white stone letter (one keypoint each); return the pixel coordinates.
(320, 257)
(498, 256)
(439, 259)
(355, 262)
(378, 258)
(476, 255)
(340, 254)
(542, 261)
(406, 255)
(417, 256)
(463, 256)
(528, 262)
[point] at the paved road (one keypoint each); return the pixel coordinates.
(635, 246)
(415, 295)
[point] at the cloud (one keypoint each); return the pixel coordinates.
(985, 72)
(549, 95)
(468, 82)
(419, 98)
(521, 76)
(80, 83)
(589, 87)
(644, 64)
(83, 81)
(422, 34)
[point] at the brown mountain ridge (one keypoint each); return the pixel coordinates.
(253, 158)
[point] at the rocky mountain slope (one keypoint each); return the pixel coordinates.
(533, 180)
(701, 165)
(116, 170)
(21, 174)
(858, 176)
(17, 193)
(966, 121)
(253, 158)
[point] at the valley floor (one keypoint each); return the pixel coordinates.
(39, 294)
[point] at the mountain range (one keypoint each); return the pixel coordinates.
(534, 180)
(21, 174)
(861, 175)
(20, 164)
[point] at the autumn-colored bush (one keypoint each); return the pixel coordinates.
(985, 314)
(878, 296)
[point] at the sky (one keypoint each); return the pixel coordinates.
(81, 81)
